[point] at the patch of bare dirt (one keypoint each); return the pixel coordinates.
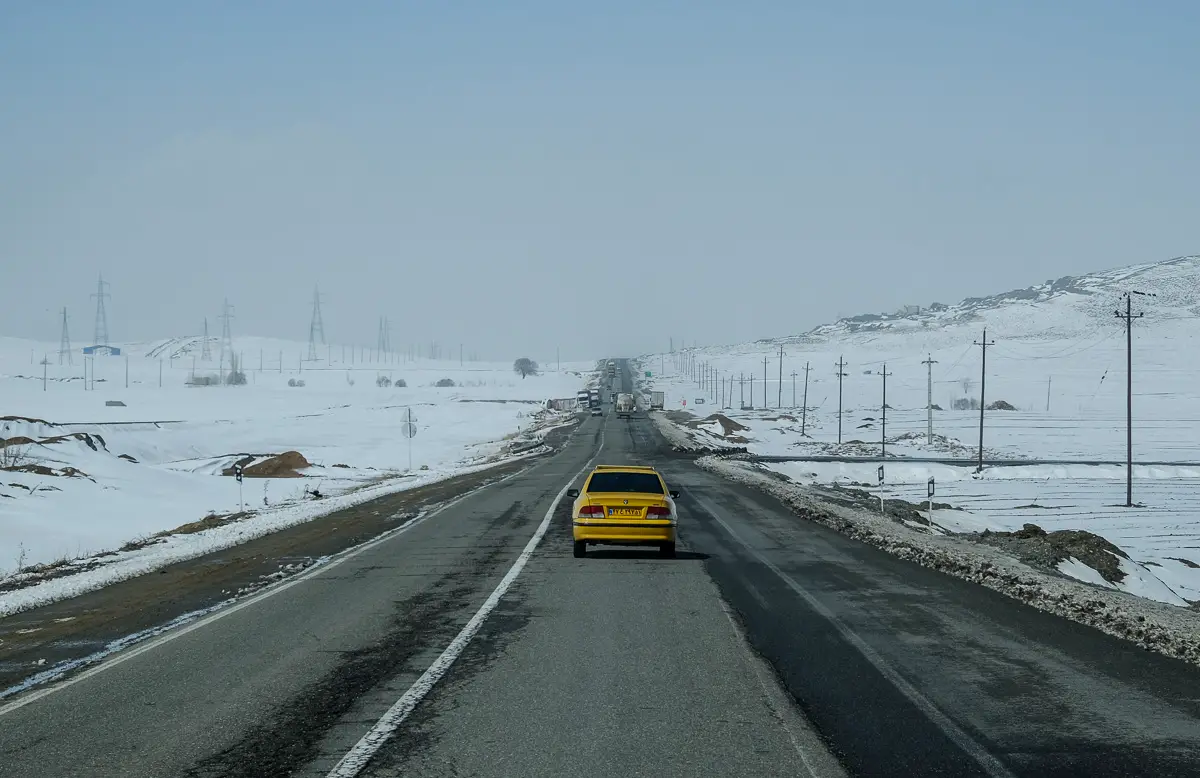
(36, 469)
(728, 425)
(26, 418)
(283, 465)
(1033, 545)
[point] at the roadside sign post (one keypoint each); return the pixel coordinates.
(409, 430)
(237, 473)
(879, 473)
(929, 494)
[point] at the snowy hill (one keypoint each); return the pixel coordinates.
(1056, 364)
(1068, 306)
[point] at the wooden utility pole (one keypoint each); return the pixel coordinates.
(883, 424)
(1127, 317)
(841, 364)
(983, 344)
(765, 383)
(930, 362)
(779, 400)
(804, 410)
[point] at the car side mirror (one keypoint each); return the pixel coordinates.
(674, 493)
(572, 493)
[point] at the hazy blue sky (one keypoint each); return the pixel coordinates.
(515, 175)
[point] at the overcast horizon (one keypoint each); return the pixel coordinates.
(596, 179)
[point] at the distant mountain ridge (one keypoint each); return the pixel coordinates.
(1068, 305)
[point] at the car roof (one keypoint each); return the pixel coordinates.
(624, 468)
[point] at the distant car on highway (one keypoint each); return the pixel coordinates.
(597, 410)
(624, 505)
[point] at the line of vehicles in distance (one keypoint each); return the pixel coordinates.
(624, 403)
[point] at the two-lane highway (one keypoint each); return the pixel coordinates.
(771, 646)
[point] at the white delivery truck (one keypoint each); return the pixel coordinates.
(625, 405)
(657, 400)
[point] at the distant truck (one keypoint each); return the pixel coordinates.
(582, 398)
(625, 405)
(657, 400)
(612, 369)
(594, 398)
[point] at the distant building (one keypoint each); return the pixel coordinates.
(108, 351)
(909, 310)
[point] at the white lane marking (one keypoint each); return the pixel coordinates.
(314, 571)
(361, 753)
(990, 764)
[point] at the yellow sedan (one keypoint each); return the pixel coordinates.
(624, 505)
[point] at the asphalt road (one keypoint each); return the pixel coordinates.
(771, 646)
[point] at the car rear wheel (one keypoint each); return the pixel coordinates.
(580, 549)
(666, 550)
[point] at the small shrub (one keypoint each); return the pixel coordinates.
(383, 381)
(445, 382)
(400, 383)
(965, 404)
(295, 382)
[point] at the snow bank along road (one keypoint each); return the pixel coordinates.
(621, 663)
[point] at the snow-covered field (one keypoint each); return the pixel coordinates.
(1058, 358)
(155, 463)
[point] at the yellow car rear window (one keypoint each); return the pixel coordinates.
(625, 482)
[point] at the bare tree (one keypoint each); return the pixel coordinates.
(525, 367)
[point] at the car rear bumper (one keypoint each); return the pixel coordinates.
(624, 533)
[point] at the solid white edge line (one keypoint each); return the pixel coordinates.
(150, 645)
(361, 753)
(990, 764)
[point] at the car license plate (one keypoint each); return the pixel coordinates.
(624, 511)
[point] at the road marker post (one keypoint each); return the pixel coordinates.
(929, 490)
(237, 473)
(879, 473)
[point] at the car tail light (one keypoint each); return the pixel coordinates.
(591, 512)
(656, 512)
